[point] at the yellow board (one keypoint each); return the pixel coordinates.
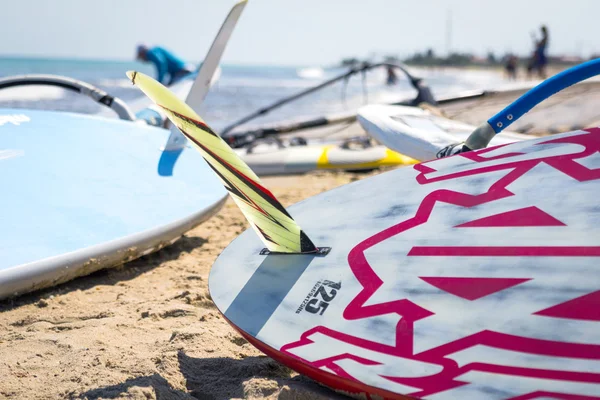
(391, 159)
(266, 215)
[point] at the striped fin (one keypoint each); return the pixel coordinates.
(277, 229)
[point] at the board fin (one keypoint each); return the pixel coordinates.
(277, 229)
(208, 71)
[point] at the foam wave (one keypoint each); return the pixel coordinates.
(29, 93)
(264, 82)
(310, 73)
(120, 83)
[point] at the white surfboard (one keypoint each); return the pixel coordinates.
(271, 159)
(467, 277)
(418, 133)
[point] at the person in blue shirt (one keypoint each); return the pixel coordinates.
(169, 67)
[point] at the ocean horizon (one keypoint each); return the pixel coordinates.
(241, 89)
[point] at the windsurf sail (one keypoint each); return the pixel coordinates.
(277, 229)
(207, 71)
(482, 136)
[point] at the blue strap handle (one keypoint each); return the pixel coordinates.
(542, 91)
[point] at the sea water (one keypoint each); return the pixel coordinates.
(240, 90)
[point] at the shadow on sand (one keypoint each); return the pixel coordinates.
(140, 387)
(225, 378)
(219, 379)
(111, 276)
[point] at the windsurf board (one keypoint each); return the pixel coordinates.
(465, 277)
(419, 133)
(83, 193)
(272, 159)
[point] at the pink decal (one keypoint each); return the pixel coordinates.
(472, 288)
(528, 216)
(543, 395)
(532, 251)
(562, 162)
(584, 308)
(409, 313)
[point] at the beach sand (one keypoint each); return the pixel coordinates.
(148, 329)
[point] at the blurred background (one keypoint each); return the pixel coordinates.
(282, 47)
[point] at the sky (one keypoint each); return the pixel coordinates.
(295, 32)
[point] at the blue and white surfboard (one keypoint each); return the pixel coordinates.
(81, 193)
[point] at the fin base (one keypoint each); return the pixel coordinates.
(319, 252)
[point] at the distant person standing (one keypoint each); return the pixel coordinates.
(166, 63)
(511, 67)
(392, 78)
(539, 60)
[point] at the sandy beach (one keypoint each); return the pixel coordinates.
(148, 329)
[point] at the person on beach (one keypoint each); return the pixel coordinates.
(511, 67)
(392, 78)
(539, 59)
(167, 64)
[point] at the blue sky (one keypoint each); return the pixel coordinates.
(294, 32)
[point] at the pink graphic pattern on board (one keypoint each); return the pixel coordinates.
(584, 308)
(370, 357)
(472, 288)
(528, 216)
